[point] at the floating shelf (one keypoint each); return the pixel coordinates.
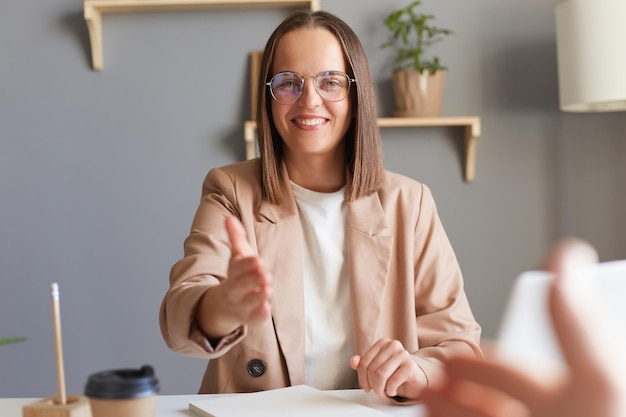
(472, 133)
(471, 124)
(93, 10)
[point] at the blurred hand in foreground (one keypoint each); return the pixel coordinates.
(594, 384)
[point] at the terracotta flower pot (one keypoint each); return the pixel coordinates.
(418, 95)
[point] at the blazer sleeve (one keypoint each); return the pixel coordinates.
(204, 265)
(445, 323)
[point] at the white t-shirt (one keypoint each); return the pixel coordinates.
(328, 330)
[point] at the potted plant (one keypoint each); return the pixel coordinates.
(418, 80)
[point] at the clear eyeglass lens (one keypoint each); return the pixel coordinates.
(286, 87)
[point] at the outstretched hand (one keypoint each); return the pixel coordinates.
(594, 384)
(247, 292)
(241, 299)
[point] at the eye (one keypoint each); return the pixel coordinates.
(332, 83)
(286, 82)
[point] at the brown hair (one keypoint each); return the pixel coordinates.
(363, 152)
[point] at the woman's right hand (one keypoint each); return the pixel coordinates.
(247, 291)
(243, 298)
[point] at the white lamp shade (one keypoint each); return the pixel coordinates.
(591, 51)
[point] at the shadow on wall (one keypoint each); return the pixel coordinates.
(384, 94)
(74, 23)
(233, 140)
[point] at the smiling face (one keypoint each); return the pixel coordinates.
(311, 127)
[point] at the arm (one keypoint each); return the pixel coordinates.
(194, 316)
(443, 323)
(241, 299)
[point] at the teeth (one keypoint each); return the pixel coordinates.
(310, 122)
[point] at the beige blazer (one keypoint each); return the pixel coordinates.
(405, 281)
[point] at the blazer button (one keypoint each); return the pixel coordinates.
(256, 367)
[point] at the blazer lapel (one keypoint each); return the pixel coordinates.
(369, 256)
(279, 243)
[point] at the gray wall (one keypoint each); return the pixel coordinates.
(100, 172)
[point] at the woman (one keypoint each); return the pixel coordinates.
(313, 262)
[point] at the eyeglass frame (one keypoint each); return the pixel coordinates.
(314, 77)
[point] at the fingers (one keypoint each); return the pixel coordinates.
(246, 274)
(370, 371)
(569, 254)
(354, 362)
(237, 236)
(386, 367)
(495, 376)
(245, 270)
(458, 398)
(589, 342)
(570, 303)
(445, 404)
(248, 289)
(482, 388)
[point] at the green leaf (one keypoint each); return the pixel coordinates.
(411, 35)
(8, 340)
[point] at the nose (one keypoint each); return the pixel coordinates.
(310, 98)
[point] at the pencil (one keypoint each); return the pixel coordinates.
(56, 316)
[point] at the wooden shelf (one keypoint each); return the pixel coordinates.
(472, 133)
(471, 124)
(93, 10)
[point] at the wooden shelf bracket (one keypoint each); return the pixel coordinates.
(472, 133)
(93, 10)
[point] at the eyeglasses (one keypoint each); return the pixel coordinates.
(287, 87)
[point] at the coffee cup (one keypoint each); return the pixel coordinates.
(123, 392)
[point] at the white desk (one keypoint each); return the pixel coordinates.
(177, 405)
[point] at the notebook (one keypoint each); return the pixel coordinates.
(526, 337)
(299, 400)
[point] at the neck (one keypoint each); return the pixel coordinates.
(317, 174)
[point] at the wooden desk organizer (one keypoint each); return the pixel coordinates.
(76, 406)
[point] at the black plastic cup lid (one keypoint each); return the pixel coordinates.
(122, 383)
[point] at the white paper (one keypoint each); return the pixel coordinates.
(299, 400)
